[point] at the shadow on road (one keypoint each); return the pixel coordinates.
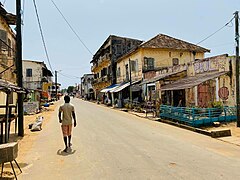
(62, 153)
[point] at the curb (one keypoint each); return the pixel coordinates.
(213, 134)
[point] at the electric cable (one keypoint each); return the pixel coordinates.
(71, 27)
(41, 32)
(68, 76)
(215, 31)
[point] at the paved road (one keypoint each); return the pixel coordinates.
(109, 144)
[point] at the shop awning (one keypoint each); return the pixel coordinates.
(161, 76)
(192, 81)
(109, 88)
(123, 86)
(10, 87)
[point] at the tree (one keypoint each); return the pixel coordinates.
(70, 89)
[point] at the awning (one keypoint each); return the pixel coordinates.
(192, 81)
(136, 88)
(161, 76)
(10, 87)
(123, 86)
(109, 88)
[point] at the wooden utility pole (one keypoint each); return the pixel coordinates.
(56, 85)
(130, 79)
(19, 67)
(237, 67)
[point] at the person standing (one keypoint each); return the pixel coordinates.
(65, 115)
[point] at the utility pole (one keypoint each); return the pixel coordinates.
(56, 85)
(130, 79)
(19, 67)
(237, 67)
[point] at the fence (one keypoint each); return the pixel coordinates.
(197, 117)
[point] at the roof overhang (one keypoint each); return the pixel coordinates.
(192, 81)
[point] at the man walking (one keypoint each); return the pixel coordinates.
(68, 114)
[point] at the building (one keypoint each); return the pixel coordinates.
(37, 79)
(104, 60)
(150, 60)
(208, 80)
(86, 86)
(8, 52)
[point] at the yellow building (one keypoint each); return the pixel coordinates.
(160, 55)
(7, 55)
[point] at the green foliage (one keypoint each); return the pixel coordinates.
(70, 89)
(217, 104)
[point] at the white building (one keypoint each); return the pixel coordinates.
(86, 86)
(34, 74)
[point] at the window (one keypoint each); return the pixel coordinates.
(127, 73)
(9, 48)
(118, 72)
(3, 41)
(175, 61)
(133, 66)
(148, 63)
(28, 72)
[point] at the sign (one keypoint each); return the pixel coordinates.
(30, 107)
(223, 93)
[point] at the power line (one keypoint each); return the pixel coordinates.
(71, 28)
(216, 31)
(68, 76)
(41, 32)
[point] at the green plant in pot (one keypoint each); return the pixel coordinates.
(218, 108)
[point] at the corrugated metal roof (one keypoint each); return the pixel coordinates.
(109, 88)
(192, 81)
(161, 76)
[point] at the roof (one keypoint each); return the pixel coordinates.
(161, 76)
(166, 42)
(123, 86)
(106, 41)
(109, 88)
(162, 41)
(9, 87)
(10, 18)
(192, 81)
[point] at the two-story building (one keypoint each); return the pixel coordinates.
(35, 77)
(104, 60)
(150, 60)
(86, 86)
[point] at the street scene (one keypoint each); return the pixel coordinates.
(111, 144)
(119, 90)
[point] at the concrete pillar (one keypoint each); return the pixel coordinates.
(196, 95)
(217, 88)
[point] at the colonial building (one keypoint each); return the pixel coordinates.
(35, 77)
(7, 52)
(104, 60)
(86, 86)
(149, 61)
(208, 80)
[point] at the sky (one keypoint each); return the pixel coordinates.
(95, 20)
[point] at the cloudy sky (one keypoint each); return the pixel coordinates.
(95, 20)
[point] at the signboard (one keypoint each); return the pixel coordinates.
(223, 93)
(30, 107)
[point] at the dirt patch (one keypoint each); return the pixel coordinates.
(25, 143)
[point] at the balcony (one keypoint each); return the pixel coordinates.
(105, 57)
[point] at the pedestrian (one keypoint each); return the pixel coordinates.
(66, 119)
